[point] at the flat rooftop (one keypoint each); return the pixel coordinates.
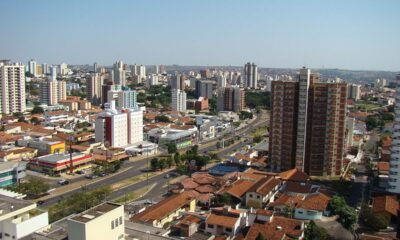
(57, 157)
(95, 212)
(9, 204)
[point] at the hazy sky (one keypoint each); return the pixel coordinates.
(349, 34)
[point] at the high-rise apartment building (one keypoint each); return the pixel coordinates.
(221, 81)
(63, 69)
(119, 128)
(124, 99)
(52, 91)
(32, 67)
(178, 82)
(152, 80)
(250, 75)
(308, 125)
(12, 80)
(204, 88)
(93, 89)
(119, 73)
(230, 99)
(178, 98)
(354, 91)
(394, 164)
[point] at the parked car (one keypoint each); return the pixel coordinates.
(91, 176)
(63, 182)
(80, 172)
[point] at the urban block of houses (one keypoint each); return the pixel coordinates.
(166, 210)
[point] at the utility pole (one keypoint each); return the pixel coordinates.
(71, 164)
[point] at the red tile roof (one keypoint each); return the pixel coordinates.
(294, 175)
(277, 229)
(386, 203)
(317, 202)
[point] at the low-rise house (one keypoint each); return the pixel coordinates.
(296, 188)
(312, 207)
(285, 204)
(187, 225)
(164, 212)
(18, 154)
(385, 206)
(294, 175)
(226, 221)
(262, 192)
(277, 228)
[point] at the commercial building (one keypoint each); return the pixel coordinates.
(12, 80)
(93, 89)
(43, 146)
(308, 125)
(204, 88)
(250, 75)
(19, 218)
(230, 99)
(119, 128)
(11, 173)
(59, 162)
(178, 98)
(394, 171)
(105, 221)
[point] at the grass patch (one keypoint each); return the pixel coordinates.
(133, 180)
(133, 195)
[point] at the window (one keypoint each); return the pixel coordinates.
(116, 222)
(300, 212)
(112, 224)
(210, 226)
(258, 197)
(228, 229)
(120, 220)
(251, 195)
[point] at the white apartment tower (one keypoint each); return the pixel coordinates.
(12, 78)
(394, 170)
(32, 67)
(124, 99)
(250, 75)
(178, 100)
(119, 128)
(119, 73)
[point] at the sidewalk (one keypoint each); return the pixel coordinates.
(77, 185)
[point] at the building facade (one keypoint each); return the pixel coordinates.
(119, 128)
(178, 100)
(231, 99)
(204, 88)
(250, 75)
(394, 164)
(12, 88)
(308, 125)
(93, 89)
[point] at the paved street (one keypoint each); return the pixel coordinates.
(133, 168)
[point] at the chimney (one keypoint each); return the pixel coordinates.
(227, 208)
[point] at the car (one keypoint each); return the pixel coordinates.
(63, 182)
(41, 202)
(91, 176)
(80, 172)
(167, 176)
(102, 174)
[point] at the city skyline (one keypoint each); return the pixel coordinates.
(357, 35)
